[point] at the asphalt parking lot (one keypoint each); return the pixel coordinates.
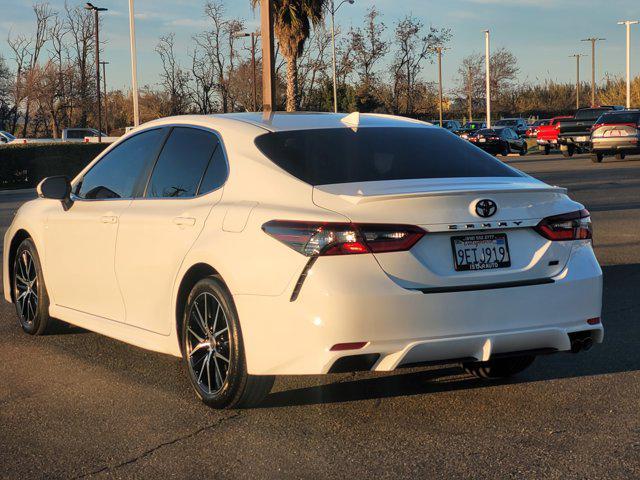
(74, 404)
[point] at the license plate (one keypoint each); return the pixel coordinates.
(482, 140)
(481, 252)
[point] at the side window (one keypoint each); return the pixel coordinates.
(216, 173)
(118, 172)
(182, 163)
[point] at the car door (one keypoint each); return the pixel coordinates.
(80, 241)
(158, 229)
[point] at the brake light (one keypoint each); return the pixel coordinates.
(321, 239)
(568, 226)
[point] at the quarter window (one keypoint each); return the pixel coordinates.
(182, 163)
(117, 174)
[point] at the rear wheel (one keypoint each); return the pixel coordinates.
(620, 156)
(545, 150)
(597, 157)
(505, 150)
(213, 351)
(524, 150)
(29, 291)
(567, 151)
(499, 367)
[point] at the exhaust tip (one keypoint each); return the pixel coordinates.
(576, 345)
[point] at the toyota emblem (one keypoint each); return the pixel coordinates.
(486, 208)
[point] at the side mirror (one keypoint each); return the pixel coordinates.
(56, 188)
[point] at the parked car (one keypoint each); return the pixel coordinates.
(519, 125)
(616, 133)
(78, 134)
(451, 125)
(534, 128)
(574, 134)
(468, 128)
(306, 244)
(547, 137)
(499, 140)
(6, 137)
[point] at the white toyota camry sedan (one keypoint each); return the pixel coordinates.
(307, 244)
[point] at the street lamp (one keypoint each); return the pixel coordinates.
(593, 41)
(333, 9)
(628, 23)
(253, 36)
(439, 50)
(487, 61)
(134, 65)
(104, 92)
(96, 10)
(577, 56)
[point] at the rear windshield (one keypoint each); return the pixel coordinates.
(342, 155)
(590, 113)
(627, 117)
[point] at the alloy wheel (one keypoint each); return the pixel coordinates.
(26, 287)
(208, 343)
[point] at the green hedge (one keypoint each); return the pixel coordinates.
(24, 165)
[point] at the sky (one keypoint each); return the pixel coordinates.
(541, 33)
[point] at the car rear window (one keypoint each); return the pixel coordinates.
(590, 113)
(343, 155)
(626, 117)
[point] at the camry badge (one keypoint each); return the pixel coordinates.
(486, 208)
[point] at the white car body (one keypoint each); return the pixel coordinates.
(116, 266)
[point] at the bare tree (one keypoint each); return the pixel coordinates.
(368, 46)
(79, 24)
(413, 47)
(174, 78)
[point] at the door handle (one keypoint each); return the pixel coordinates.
(184, 221)
(109, 219)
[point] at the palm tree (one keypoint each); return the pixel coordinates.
(292, 21)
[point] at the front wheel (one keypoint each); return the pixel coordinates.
(499, 367)
(567, 151)
(213, 351)
(597, 157)
(29, 291)
(545, 150)
(505, 150)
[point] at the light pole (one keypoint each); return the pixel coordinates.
(134, 65)
(333, 9)
(628, 23)
(593, 41)
(487, 61)
(104, 91)
(268, 69)
(577, 56)
(97, 10)
(439, 49)
(254, 36)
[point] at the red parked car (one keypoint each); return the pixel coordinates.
(548, 135)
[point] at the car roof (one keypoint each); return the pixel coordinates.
(284, 121)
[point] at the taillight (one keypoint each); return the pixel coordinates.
(568, 226)
(319, 239)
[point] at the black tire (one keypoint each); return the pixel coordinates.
(597, 157)
(499, 367)
(232, 386)
(568, 152)
(620, 156)
(29, 290)
(545, 150)
(524, 150)
(506, 150)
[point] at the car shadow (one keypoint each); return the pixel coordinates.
(617, 354)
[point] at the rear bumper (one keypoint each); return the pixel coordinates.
(349, 299)
(546, 142)
(630, 145)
